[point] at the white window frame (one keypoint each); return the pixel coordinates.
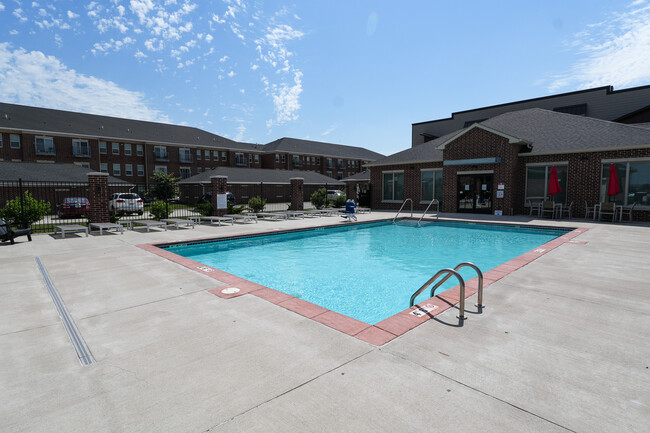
(187, 169)
(224, 156)
(103, 148)
(78, 143)
(626, 182)
(433, 170)
(115, 148)
(257, 159)
(215, 155)
(198, 154)
(44, 151)
(117, 170)
(383, 173)
(0, 140)
(14, 141)
(206, 155)
(161, 168)
(139, 150)
(128, 169)
(546, 178)
(127, 149)
(103, 167)
(140, 170)
(185, 155)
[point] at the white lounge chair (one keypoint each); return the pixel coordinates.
(106, 226)
(149, 223)
(177, 222)
(242, 217)
(212, 219)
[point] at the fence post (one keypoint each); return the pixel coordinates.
(98, 192)
(296, 193)
(219, 184)
(22, 204)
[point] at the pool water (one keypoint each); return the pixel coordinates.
(365, 271)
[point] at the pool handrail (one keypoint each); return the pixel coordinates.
(425, 211)
(401, 207)
(480, 282)
(449, 272)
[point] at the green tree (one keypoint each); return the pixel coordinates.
(256, 204)
(339, 200)
(31, 211)
(318, 198)
(165, 187)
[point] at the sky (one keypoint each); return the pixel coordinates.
(354, 72)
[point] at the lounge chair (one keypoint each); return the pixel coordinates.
(177, 222)
(548, 207)
(148, 224)
(6, 234)
(608, 208)
(242, 217)
(589, 211)
(534, 207)
(349, 212)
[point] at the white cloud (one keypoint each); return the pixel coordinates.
(286, 100)
(18, 13)
(223, 59)
(329, 130)
(209, 38)
(231, 74)
(2, 7)
(32, 78)
(13, 32)
(612, 52)
(72, 15)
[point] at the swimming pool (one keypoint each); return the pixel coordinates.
(365, 271)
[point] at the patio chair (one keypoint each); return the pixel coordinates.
(567, 211)
(548, 207)
(608, 208)
(627, 211)
(349, 212)
(589, 211)
(6, 234)
(534, 208)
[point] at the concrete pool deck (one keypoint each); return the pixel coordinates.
(562, 345)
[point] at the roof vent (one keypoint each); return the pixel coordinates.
(6, 116)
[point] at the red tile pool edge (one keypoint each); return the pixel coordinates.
(382, 332)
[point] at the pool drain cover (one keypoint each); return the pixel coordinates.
(230, 291)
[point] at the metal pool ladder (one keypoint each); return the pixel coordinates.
(437, 203)
(450, 273)
(402, 207)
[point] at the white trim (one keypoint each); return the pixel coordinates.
(511, 139)
(392, 171)
(475, 172)
(542, 164)
(574, 151)
(431, 169)
(619, 160)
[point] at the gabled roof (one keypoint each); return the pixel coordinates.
(319, 148)
(257, 175)
(46, 120)
(364, 176)
(42, 172)
(547, 132)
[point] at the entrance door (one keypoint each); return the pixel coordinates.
(475, 193)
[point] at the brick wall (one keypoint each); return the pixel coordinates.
(412, 184)
(297, 193)
(98, 197)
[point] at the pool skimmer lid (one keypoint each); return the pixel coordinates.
(230, 291)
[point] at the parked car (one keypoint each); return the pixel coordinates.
(207, 198)
(74, 207)
(123, 203)
(334, 193)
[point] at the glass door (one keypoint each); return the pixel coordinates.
(475, 193)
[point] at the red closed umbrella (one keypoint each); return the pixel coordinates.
(554, 183)
(612, 186)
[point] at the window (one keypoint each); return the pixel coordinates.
(257, 158)
(160, 153)
(140, 170)
(537, 178)
(139, 150)
(198, 169)
(161, 168)
(185, 172)
(277, 157)
(224, 156)
(44, 146)
(239, 159)
(296, 161)
(128, 169)
(215, 155)
(633, 181)
(206, 155)
(329, 174)
(103, 167)
(80, 148)
(0, 140)
(102, 147)
(431, 185)
(116, 148)
(14, 141)
(198, 154)
(250, 158)
(116, 170)
(127, 149)
(339, 176)
(284, 158)
(393, 186)
(184, 155)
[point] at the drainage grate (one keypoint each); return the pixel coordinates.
(79, 344)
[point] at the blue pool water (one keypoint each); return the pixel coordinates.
(366, 271)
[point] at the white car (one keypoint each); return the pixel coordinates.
(334, 193)
(122, 203)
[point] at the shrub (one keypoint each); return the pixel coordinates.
(159, 210)
(318, 198)
(234, 210)
(32, 210)
(339, 200)
(204, 208)
(256, 204)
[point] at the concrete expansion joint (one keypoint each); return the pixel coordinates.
(521, 409)
(288, 391)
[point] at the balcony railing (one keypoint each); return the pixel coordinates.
(161, 156)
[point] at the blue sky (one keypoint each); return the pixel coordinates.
(348, 72)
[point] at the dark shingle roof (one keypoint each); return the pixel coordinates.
(547, 132)
(45, 120)
(257, 175)
(41, 172)
(364, 176)
(331, 150)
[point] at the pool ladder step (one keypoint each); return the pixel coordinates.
(449, 273)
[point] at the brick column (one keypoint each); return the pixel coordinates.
(98, 192)
(297, 193)
(219, 186)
